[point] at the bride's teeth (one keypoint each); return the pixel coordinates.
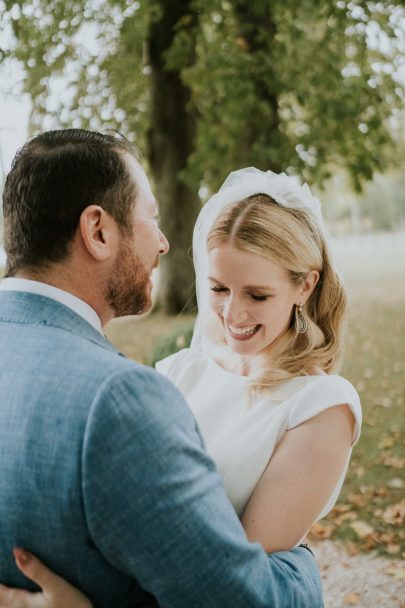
(245, 331)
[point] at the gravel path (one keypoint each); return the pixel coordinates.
(362, 580)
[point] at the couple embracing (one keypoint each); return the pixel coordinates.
(189, 487)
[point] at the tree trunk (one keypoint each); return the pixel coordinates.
(257, 30)
(171, 141)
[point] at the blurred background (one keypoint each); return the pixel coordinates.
(314, 88)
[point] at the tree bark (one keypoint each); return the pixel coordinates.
(253, 19)
(171, 141)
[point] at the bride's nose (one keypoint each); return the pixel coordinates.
(234, 313)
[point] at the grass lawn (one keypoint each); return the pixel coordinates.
(371, 509)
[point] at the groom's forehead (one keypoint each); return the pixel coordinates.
(137, 174)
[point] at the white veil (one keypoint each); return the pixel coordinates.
(239, 185)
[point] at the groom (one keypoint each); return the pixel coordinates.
(103, 473)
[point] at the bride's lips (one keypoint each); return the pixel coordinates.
(243, 333)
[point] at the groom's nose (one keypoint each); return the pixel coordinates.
(164, 244)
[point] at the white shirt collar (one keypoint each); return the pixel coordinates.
(49, 291)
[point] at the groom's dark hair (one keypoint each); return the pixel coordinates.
(53, 178)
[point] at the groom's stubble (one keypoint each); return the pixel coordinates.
(129, 287)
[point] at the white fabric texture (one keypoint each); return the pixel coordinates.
(242, 432)
(239, 185)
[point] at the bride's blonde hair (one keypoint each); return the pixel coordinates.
(291, 239)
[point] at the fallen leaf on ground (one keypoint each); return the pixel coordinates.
(387, 537)
(396, 483)
(395, 514)
(371, 541)
(351, 599)
(381, 492)
(349, 516)
(361, 528)
(357, 499)
(393, 461)
(352, 548)
(397, 570)
(393, 548)
(320, 531)
(341, 508)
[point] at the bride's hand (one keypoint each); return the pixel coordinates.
(56, 592)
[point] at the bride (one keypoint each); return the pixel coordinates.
(260, 374)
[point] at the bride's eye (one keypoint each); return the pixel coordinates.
(257, 298)
(218, 289)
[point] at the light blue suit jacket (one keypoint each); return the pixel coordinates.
(104, 475)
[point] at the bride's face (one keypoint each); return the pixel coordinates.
(252, 297)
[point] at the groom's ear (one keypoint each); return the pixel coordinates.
(98, 231)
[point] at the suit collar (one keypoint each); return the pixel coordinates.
(34, 309)
(67, 298)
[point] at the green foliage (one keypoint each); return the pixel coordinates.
(179, 338)
(293, 85)
(304, 86)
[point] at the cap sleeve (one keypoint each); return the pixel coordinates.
(321, 394)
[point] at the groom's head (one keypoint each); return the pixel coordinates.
(81, 198)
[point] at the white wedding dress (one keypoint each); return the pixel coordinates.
(241, 432)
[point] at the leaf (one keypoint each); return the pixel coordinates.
(357, 499)
(341, 508)
(395, 514)
(397, 570)
(393, 461)
(348, 516)
(351, 599)
(320, 531)
(393, 548)
(362, 529)
(352, 548)
(381, 492)
(396, 483)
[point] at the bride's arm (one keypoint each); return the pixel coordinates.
(299, 479)
(56, 592)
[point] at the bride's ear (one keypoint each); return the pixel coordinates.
(308, 285)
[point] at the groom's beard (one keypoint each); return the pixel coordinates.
(129, 288)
